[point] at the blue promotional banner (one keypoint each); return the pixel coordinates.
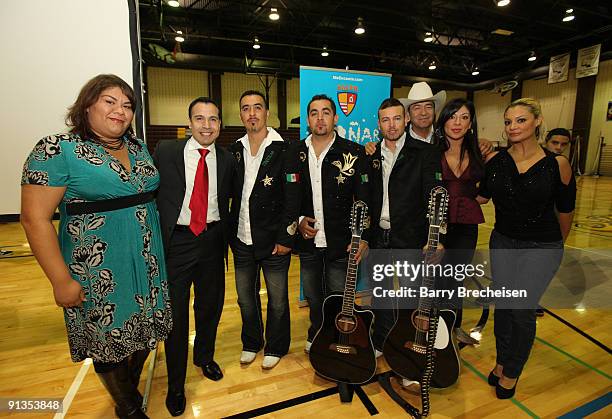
(357, 95)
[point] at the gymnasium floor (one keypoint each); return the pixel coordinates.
(568, 372)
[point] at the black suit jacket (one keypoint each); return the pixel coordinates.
(416, 172)
(345, 179)
(274, 201)
(170, 162)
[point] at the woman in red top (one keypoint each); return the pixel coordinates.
(462, 170)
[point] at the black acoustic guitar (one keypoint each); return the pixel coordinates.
(342, 349)
(406, 345)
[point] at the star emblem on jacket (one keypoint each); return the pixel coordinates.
(267, 181)
(340, 178)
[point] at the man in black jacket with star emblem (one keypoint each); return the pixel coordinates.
(333, 176)
(264, 215)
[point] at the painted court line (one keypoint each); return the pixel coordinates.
(74, 387)
(513, 400)
(589, 407)
(578, 360)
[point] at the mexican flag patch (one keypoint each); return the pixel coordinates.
(293, 177)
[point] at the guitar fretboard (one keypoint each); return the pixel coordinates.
(348, 300)
(433, 239)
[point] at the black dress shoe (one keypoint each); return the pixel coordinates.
(176, 402)
(505, 393)
(212, 371)
(493, 379)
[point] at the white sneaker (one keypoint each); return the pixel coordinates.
(407, 383)
(307, 347)
(246, 357)
(269, 362)
(377, 353)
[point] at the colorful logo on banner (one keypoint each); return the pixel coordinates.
(347, 100)
(357, 95)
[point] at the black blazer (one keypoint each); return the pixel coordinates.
(170, 162)
(344, 173)
(275, 199)
(416, 172)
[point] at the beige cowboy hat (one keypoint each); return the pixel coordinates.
(421, 92)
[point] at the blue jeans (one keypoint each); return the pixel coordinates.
(515, 329)
(320, 278)
(278, 328)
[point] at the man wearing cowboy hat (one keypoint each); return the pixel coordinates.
(421, 105)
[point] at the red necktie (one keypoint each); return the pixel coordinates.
(199, 196)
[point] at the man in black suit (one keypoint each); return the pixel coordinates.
(334, 175)
(403, 172)
(193, 202)
(264, 222)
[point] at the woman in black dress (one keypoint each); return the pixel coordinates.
(527, 184)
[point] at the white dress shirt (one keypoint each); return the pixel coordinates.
(314, 166)
(251, 168)
(428, 139)
(388, 161)
(192, 157)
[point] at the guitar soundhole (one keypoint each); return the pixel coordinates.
(420, 320)
(346, 324)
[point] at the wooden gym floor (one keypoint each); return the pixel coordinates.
(566, 374)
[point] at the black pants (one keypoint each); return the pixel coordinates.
(198, 261)
(277, 335)
(384, 318)
(320, 278)
(521, 264)
(460, 243)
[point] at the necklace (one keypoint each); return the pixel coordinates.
(115, 145)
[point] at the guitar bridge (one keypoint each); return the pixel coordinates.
(342, 349)
(419, 349)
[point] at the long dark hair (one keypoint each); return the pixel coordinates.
(76, 119)
(470, 141)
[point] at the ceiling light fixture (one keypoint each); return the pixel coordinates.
(475, 72)
(432, 66)
(256, 43)
(532, 56)
(428, 37)
(173, 3)
(359, 29)
(569, 15)
(502, 3)
(274, 14)
(324, 53)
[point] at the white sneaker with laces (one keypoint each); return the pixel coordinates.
(246, 357)
(269, 362)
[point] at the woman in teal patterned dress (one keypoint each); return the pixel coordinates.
(107, 268)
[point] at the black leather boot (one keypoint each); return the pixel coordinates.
(136, 363)
(119, 385)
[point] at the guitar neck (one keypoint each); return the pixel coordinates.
(433, 239)
(348, 301)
